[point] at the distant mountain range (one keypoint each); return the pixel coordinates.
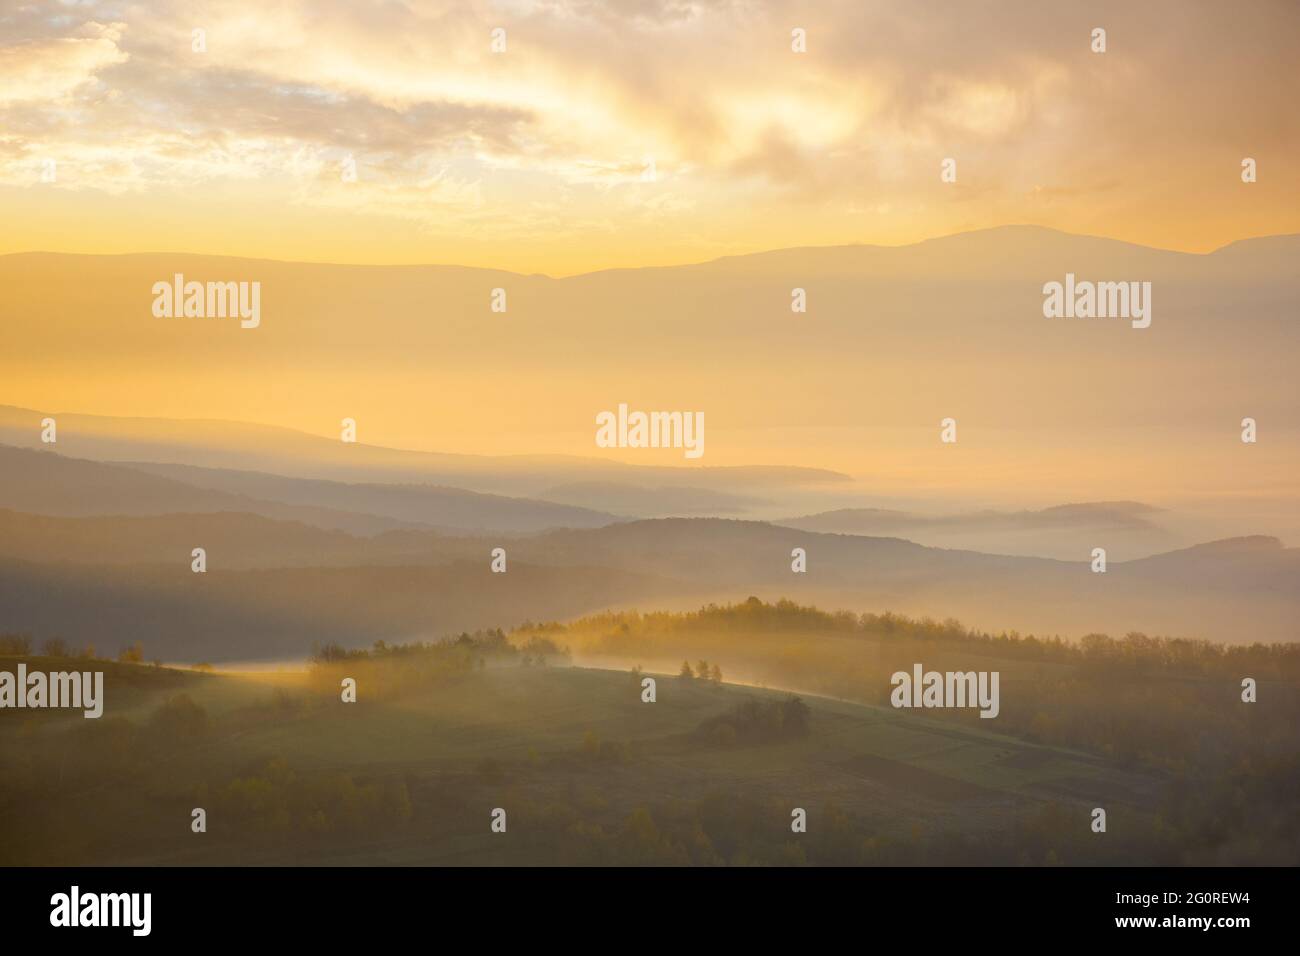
(892, 335)
(101, 553)
(43, 482)
(311, 538)
(238, 446)
(1062, 531)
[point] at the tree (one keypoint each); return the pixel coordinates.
(18, 645)
(795, 716)
(686, 671)
(179, 720)
(716, 674)
(132, 655)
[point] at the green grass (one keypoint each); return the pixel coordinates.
(521, 736)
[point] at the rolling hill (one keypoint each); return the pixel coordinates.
(545, 744)
(232, 446)
(42, 482)
(1128, 528)
(273, 588)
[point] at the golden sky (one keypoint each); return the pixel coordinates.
(539, 158)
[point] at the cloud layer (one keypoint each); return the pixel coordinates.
(630, 132)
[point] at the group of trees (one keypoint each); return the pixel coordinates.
(727, 828)
(754, 616)
(39, 768)
(270, 802)
(541, 650)
(605, 751)
(483, 645)
(1130, 699)
(703, 671)
(758, 722)
(15, 645)
(387, 669)
(21, 645)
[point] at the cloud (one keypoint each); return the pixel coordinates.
(48, 71)
(738, 126)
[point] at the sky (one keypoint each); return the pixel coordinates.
(632, 132)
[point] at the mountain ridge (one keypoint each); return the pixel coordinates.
(930, 242)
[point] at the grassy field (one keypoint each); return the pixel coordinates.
(585, 770)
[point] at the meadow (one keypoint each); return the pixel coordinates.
(444, 733)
